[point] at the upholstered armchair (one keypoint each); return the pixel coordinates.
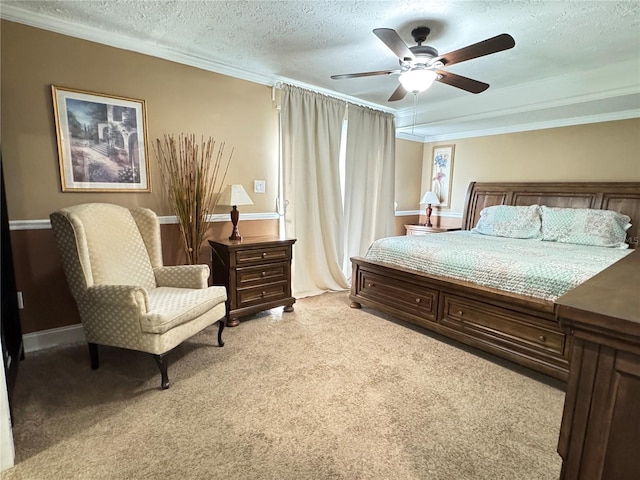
(112, 259)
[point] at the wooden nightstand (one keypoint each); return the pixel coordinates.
(256, 272)
(422, 230)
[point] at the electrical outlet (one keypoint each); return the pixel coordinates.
(259, 186)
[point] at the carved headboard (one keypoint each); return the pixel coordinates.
(623, 197)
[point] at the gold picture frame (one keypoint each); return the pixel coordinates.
(102, 141)
(442, 173)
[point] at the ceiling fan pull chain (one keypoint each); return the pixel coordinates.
(415, 111)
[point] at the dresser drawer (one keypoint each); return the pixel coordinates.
(261, 274)
(247, 297)
(412, 299)
(260, 255)
(511, 327)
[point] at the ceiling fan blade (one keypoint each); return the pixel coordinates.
(398, 94)
(458, 81)
(365, 74)
(392, 40)
(480, 49)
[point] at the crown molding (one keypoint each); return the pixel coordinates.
(38, 20)
(580, 95)
(400, 133)
(526, 127)
(533, 107)
(569, 89)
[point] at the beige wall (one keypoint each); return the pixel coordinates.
(603, 152)
(409, 156)
(178, 99)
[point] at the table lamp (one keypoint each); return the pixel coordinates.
(429, 198)
(233, 196)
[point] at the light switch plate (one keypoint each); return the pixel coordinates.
(259, 186)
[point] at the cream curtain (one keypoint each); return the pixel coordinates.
(370, 180)
(311, 131)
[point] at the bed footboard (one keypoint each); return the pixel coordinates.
(514, 327)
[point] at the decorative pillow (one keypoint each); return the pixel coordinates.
(510, 221)
(585, 226)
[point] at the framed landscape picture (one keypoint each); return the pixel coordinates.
(442, 173)
(102, 142)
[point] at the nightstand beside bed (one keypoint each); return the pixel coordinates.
(256, 272)
(419, 229)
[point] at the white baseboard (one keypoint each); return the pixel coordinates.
(53, 337)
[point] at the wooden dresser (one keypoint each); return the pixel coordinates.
(600, 433)
(256, 272)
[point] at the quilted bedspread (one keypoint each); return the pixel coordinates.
(540, 269)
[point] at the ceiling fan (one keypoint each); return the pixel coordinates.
(421, 65)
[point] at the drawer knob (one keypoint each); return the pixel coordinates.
(542, 338)
(264, 274)
(371, 284)
(264, 254)
(417, 300)
(460, 312)
(264, 293)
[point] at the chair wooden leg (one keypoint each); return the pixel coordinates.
(161, 360)
(93, 356)
(220, 329)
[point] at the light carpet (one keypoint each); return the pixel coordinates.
(325, 392)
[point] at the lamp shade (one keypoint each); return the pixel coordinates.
(234, 195)
(417, 80)
(429, 198)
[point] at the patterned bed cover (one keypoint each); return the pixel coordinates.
(544, 270)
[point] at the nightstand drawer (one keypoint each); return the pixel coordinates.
(262, 293)
(259, 255)
(261, 274)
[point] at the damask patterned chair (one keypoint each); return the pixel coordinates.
(112, 258)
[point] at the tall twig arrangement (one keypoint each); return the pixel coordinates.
(190, 172)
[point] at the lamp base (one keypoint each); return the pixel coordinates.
(428, 212)
(235, 216)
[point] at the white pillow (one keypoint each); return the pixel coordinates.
(510, 221)
(585, 226)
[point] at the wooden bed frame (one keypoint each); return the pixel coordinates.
(519, 328)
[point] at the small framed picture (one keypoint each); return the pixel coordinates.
(442, 173)
(102, 142)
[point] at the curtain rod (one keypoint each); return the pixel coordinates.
(330, 93)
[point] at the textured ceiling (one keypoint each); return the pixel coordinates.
(574, 61)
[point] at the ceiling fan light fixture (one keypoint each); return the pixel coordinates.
(417, 80)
